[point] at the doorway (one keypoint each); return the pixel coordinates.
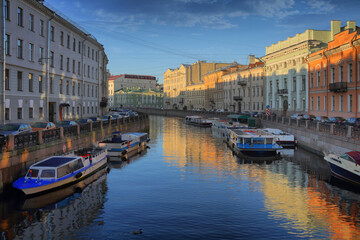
(285, 108)
(52, 113)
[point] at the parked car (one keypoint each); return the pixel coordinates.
(15, 129)
(253, 114)
(41, 126)
(352, 122)
(116, 116)
(65, 124)
(106, 117)
(95, 119)
(84, 120)
(336, 120)
(321, 119)
(308, 117)
(297, 116)
(125, 114)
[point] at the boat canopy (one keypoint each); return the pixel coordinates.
(236, 116)
(354, 155)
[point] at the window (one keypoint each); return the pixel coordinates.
(41, 28)
(350, 72)
(51, 59)
(7, 77)
(332, 75)
(92, 54)
(61, 62)
(61, 86)
(20, 17)
(88, 71)
(340, 103)
(303, 83)
(31, 22)
(325, 103)
(312, 103)
(96, 58)
(79, 89)
(73, 88)
(73, 66)
(79, 66)
(332, 103)
(88, 52)
(61, 38)
(68, 41)
(67, 87)
(31, 113)
(325, 78)
(19, 80)
(19, 113)
(31, 82)
(79, 47)
(20, 48)
(31, 52)
(7, 10)
(41, 54)
(350, 103)
(7, 114)
(341, 74)
(52, 33)
(318, 79)
(7, 44)
(51, 84)
(318, 103)
(311, 80)
(68, 64)
(294, 84)
(88, 91)
(41, 113)
(74, 45)
(40, 84)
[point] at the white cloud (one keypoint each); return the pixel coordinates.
(320, 6)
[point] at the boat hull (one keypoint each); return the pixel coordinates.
(118, 153)
(344, 170)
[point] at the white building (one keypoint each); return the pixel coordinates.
(53, 69)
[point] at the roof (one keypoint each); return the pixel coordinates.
(236, 116)
(55, 161)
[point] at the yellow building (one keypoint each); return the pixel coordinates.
(195, 96)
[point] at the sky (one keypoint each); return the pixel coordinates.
(147, 37)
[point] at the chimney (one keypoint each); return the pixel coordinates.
(251, 59)
(351, 25)
(335, 28)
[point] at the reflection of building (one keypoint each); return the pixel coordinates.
(176, 81)
(243, 89)
(333, 75)
(131, 97)
(214, 87)
(54, 70)
(286, 69)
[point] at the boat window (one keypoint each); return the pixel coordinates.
(258, 140)
(268, 140)
(48, 173)
(346, 157)
(63, 171)
(76, 165)
(247, 140)
(32, 173)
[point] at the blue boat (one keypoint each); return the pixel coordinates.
(122, 146)
(254, 143)
(57, 172)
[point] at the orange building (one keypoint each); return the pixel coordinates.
(334, 75)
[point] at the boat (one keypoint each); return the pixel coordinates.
(345, 166)
(122, 146)
(197, 121)
(284, 139)
(221, 127)
(253, 143)
(58, 172)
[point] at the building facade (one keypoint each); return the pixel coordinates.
(195, 96)
(53, 69)
(334, 75)
(287, 71)
(130, 98)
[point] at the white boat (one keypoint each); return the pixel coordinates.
(283, 138)
(346, 166)
(254, 143)
(197, 121)
(57, 172)
(221, 127)
(122, 146)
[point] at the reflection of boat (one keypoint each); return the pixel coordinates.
(61, 197)
(253, 143)
(346, 166)
(283, 138)
(286, 152)
(197, 121)
(125, 145)
(57, 172)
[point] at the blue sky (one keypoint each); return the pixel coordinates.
(149, 36)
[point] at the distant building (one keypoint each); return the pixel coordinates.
(130, 98)
(54, 70)
(129, 81)
(195, 96)
(176, 81)
(334, 74)
(287, 71)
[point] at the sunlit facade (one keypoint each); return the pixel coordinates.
(131, 97)
(195, 96)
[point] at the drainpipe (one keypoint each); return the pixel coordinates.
(355, 74)
(4, 66)
(327, 80)
(99, 78)
(308, 84)
(48, 67)
(82, 75)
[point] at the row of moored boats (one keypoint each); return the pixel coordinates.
(263, 145)
(57, 172)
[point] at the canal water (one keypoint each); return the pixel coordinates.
(188, 185)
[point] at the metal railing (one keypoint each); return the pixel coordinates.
(340, 130)
(25, 140)
(51, 135)
(70, 131)
(323, 127)
(85, 128)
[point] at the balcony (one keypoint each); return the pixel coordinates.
(338, 87)
(237, 98)
(282, 91)
(242, 82)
